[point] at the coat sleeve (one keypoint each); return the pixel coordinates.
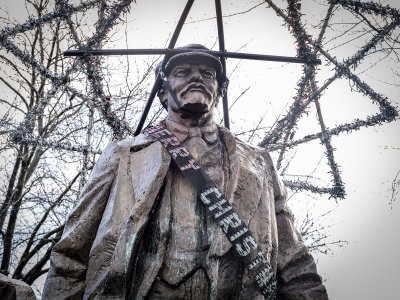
(70, 256)
(297, 275)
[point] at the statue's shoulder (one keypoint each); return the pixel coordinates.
(128, 145)
(118, 151)
(259, 157)
(259, 160)
(141, 148)
(243, 150)
(134, 144)
(256, 150)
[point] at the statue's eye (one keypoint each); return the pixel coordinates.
(209, 75)
(181, 73)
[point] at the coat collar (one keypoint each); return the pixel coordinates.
(208, 132)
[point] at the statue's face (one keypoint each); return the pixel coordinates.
(196, 87)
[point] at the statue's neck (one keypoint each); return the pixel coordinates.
(206, 130)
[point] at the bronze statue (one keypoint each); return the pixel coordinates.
(139, 231)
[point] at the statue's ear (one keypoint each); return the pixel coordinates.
(217, 101)
(163, 96)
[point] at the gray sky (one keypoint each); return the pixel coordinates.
(367, 267)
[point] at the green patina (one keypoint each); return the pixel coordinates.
(129, 248)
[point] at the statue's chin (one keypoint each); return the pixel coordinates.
(195, 102)
(195, 108)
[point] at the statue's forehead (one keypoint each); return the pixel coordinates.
(189, 65)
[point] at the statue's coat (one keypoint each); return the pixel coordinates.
(96, 255)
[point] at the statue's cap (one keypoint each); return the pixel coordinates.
(194, 56)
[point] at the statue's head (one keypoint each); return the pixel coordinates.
(194, 77)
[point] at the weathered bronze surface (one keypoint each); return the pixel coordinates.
(13, 289)
(139, 232)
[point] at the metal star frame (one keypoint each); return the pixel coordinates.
(276, 139)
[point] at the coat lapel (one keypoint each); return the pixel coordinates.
(147, 180)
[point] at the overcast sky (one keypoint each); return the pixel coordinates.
(367, 267)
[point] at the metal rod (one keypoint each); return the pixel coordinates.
(158, 82)
(179, 26)
(239, 55)
(221, 41)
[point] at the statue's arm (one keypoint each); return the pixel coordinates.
(296, 271)
(70, 256)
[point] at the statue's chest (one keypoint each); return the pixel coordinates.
(191, 227)
(189, 220)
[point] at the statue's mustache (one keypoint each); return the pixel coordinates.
(196, 85)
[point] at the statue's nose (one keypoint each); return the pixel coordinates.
(196, 75)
